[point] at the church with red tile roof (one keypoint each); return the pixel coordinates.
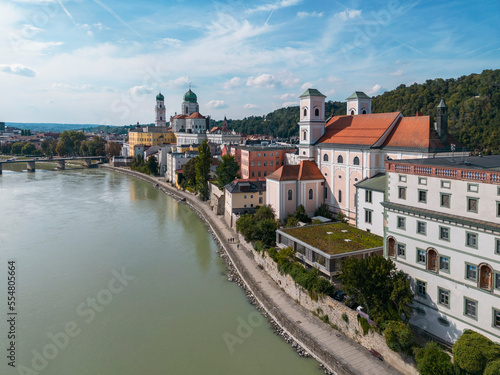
(344, 150)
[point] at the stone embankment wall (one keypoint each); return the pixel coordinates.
(335, 309)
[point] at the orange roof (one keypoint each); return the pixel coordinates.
(358, 129)
(214, 129)
(179, 116)
(412, 132)
(306, 170)
(195, 115)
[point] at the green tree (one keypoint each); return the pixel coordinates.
(473, 351)
(189, 173)
(432, 361)
(6, 148)
(49, 146)
(203, 169)
(492, 368)
(398, 337)
(17, 148)
(265, 212)
(113, 149)
(28, 149)
(152, 165)
(375, 283)
(324, 210)
(227, 170)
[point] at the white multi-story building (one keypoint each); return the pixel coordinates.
(443, 229)
(369, 197)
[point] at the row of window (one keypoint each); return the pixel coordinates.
(340, 159)
(310, 194)
(446, 184)
(470, 308)
(259, 173)
(264, 163)
(271, 154)
(483, 274)
(251, 195)
(471, 238)
(261, 201)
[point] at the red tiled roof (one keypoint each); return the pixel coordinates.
(195, 115)
(358, 129)
(412, 132)
(179, 116)
(214, 129)
(306, 170)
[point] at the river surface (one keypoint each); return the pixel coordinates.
(115, 277)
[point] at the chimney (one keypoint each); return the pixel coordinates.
(419, 114)
(442, 121)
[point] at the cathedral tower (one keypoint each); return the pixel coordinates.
(359, 104)
(312, 122)
(160, 111)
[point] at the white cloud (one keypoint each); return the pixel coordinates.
(307, 85)
(216, 104)
(178, 83)
(232, 83)
(396, 73)
(138, 91)
(277, 5)
(264, 80)
(65, 86)
(374, 89)
(287, 79)
(289, 104)
(348, 14)
(18, 69)
(306, 14)
(250, 106)
(287, 96)
(170, 42)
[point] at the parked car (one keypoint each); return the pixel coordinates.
(340, 295)
(351, 303)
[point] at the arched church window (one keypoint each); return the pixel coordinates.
(310, 193)
(161, 118)
(391, 247)
(364, 111)
(325, 157)
(186, 110)
(356, 161)
(432, 260)
(352, 112)
(316, 112)
(290, 194)
(305, 112)
(304, 137)
(340, 159)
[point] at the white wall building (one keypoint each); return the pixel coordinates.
(443, 229)
(369, 197)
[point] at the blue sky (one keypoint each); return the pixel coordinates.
(103, 61)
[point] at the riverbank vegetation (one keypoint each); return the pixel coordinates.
(149, 166)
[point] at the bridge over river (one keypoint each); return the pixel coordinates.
(61, 162)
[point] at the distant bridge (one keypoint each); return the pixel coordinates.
(61, 162)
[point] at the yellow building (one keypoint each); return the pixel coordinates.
(149, 136)
(241, 197)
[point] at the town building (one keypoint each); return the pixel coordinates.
(443, 229)
(348, 149)
(241, 197)
(294, 185)
(324, 246)
(261, 161)
(369, 210)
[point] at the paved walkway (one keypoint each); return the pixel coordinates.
(339, 353)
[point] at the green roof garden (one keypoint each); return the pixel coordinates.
(335, 238)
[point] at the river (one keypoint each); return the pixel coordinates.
(115, 277)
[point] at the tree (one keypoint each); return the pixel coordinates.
(69, 142)
(265, 212)
(375, 283)
(6, 148)
(113, 149)
(152, 165)
(203, 169)
(299, 215)
(28, 149)
(492, 368)
(49, 147)
(227, 170)
(189, 173)
(324, 210)
(398, 337)
(473, 351)
(17, 148)
(432, 361)
(260, 226)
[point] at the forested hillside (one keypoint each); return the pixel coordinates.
(473, 102)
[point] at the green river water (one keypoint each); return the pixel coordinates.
(115, 277)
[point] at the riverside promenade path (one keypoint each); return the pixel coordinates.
(338, 353)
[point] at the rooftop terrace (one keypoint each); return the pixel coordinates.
(335, 238)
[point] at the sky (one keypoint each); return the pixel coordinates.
(104, 61)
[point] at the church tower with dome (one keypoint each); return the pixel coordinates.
(160, 111)
(190, 104)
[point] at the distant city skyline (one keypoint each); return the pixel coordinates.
(104, 61)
